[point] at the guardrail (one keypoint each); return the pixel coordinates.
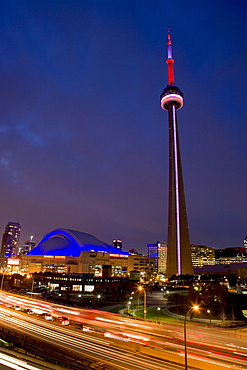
(49, 353)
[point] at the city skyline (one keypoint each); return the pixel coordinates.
(84, 143)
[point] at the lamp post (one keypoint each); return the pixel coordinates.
(209, 313)
(96, 302)
(158, 309)
(32, 286)
(2, 280)
(144, 301)
(194, 308)
(128, 307)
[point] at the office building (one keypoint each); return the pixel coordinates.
(178, 241)
(230, 255)
(202, 255)
(10, 240)
(159, 252)
(28, 246)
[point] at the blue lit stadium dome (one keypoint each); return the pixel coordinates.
(65, 242)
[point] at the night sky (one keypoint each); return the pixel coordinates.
(83, 140)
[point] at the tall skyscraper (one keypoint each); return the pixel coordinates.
(178, 241)
(159, 252)
(27, 247)
(10, 241)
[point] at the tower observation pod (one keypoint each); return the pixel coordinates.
(178, 240)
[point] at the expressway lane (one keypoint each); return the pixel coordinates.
(159, 341)
(104, 351)
(101, 352)
(128, 327)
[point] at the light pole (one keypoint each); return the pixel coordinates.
(32, 287)
(30, 277)
(158, 309)
(209, 313)
(194, 308)
(128, 307)
(2, 280)
(144, 301)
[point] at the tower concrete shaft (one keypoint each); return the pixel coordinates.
(178, 243)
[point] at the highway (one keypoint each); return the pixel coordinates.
(8, 362)
(128, 344)
(97, 349)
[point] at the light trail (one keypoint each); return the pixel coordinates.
(17, 364)
(123, 328)
(68, 339)
(123, 359)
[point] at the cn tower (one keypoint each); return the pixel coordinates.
(178, 240)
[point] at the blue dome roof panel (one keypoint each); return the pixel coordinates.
(65, 242)
(57, 246)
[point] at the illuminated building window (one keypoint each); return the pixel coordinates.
(88, 288)
(38, 267)
(77, 288)
(53, 286)
(96, 270)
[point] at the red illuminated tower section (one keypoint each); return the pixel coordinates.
(178, 241)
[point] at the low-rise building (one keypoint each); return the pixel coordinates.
(229, 255)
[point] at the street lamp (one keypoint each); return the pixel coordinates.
(158, 309)
(128, 307)
(31, 277)
(144, 301)
(32, 286)
(98, 298)
(209, 313)
(2, 280)
(194, 308)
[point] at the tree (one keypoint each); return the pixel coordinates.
(215, 296)
(194, 297)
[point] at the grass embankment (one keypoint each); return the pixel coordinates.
(116, 309)
(153, 314)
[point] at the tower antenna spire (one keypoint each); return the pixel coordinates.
(170, 60)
